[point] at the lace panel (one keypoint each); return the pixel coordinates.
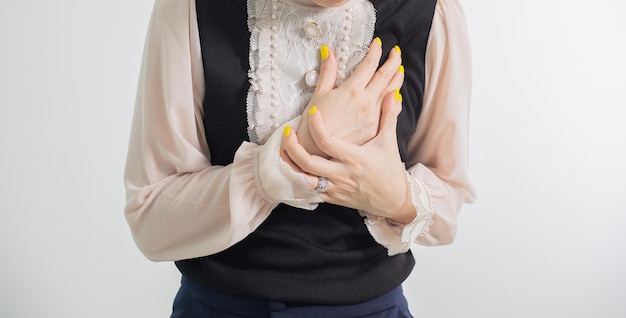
(282, 52)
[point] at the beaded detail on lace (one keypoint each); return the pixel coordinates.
(282, 52)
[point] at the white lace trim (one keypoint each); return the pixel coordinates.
(422, 222)
(386, 232)
(281, 54)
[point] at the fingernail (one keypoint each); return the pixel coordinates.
(287, 131)
(397, 48)
(401, 68)
(379, 41)
(324, 52)
(313, 110)
(397, 96)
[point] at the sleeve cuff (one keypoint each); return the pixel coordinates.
(277, 180)
(397, 238)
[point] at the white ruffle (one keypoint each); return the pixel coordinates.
(397, 238)
(277, 181)
(281, 54)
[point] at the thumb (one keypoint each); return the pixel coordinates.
(391, 108)
(328, 70)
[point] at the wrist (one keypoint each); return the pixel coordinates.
(407, 211)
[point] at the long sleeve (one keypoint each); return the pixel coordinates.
(178, 205)
(438, 151)
(440, 146)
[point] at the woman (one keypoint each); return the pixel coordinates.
(284, 178)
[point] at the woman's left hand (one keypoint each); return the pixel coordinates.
(370, 177)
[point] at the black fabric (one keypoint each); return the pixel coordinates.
(325, 256)
(225, 43)
(406, 23)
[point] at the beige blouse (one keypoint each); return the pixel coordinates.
(179, 206)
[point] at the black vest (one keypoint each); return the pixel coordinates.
(326, 256)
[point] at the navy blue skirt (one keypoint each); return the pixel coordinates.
(195, 301)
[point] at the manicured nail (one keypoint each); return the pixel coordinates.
(397, 96)
(401, 68)
(313, 110)
(379, 41)
(287, 131)
(397, 48)
(324, 52)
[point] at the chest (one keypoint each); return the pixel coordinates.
(257, 55)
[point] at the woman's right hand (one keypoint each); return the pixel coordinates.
(352, 111)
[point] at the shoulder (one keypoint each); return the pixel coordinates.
(173, 9)
(171, 16)
(449, 9)
(173, 4)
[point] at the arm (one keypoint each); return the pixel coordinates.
(439, 148)
(372, 179)
(178, 205)
(438, 151)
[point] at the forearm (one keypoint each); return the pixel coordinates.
(192, 214)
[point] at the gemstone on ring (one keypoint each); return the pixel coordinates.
(322, 185)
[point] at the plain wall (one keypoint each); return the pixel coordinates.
(548, 153)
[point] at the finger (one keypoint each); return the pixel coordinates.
(290, 142)
(396, 82)
(328, 70)
(392, 105)
(314, 165)
(366, 69)
(386, 72)
(284, 156)
(334, 147)
(311, 164)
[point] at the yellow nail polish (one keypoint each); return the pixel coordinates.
(401, 68)
(397, 96)
(287, 131)
(379, 41)
(324, 52)
(397, 48)
(313, 110)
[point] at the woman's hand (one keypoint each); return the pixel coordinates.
(370, 177)
(352, 110)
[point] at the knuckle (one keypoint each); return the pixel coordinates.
(326, 67)
(354, 92)
(382, 73)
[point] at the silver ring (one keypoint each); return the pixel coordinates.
(322, 184)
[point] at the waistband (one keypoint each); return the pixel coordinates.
(264, 308)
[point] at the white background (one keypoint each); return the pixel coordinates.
(548, 155)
